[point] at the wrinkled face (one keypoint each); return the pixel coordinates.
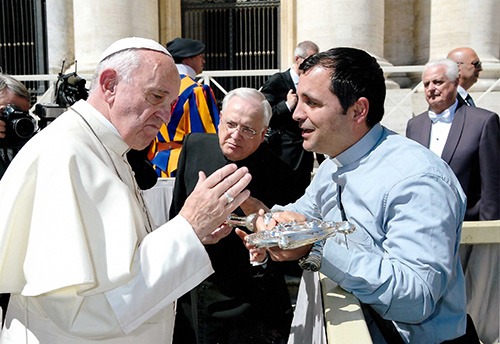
(470, 67)
(140, 107)
(238, 120)
(325, 127)
(440, 92)
(196, 62)
(8, 97)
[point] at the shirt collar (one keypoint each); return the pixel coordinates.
(446, 116)
(295, 77)
(360, 148)
(183, 69)
(101, 127)
(463, 93)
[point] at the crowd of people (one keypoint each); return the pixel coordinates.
(83, 261)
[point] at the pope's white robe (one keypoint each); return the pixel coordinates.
(74, 248)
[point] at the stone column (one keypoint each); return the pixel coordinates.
(484, 36)
(468, 23)
(422, 33)
(99, 23)
(344, 23)
(60, 34)
(170, 20)
(398, 37)
(288, 34)
(349, 23)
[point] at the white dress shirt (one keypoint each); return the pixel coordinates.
(440, 129)
(295, 79)
(463, 93)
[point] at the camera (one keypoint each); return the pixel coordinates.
(47, 112)
(19, 126)
(69, 89)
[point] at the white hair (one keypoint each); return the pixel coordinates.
(251, 94)
(452, 72)
(123, 62)
(302, 49)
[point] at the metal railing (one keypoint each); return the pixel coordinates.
(212, 78)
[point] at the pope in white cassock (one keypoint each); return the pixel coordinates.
(78, 249)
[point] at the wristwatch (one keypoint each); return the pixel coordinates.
(312, 261)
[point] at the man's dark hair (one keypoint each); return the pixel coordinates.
(178, 60)
(354, 74)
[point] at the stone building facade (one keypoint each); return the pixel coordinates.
(396, 32)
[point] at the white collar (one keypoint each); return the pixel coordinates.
(88, 107)
(295, 77)
(446, 116)
(187, 70)
(462, 91)
(103, 128)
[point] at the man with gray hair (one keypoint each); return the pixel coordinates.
(468, 139)
(285, 136)
(12, 92)
(79, 251)
(239, 303)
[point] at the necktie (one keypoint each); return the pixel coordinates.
(444, 117)
(469, 100)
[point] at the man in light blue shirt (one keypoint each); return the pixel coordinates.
(402, 261)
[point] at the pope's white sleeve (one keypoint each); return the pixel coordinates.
(171, 261)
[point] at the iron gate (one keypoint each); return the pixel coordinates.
(239, 35)
(23, 40)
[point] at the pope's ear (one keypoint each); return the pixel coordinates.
(108, 81)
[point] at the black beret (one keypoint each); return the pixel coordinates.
(182, 48)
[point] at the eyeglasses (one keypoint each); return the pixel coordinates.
(477, 64)
(246, 132)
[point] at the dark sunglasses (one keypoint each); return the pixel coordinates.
(478, 64)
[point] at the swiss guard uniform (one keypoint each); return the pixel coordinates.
(195, 111)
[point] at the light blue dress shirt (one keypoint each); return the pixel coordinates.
(408, 208)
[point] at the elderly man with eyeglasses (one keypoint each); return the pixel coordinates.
(469, 66)
(244, 302)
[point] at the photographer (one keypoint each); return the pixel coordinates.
(12, 92)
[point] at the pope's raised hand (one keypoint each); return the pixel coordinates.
(213, 199)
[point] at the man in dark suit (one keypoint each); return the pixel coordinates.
(469, 66)
(241, 302)
(468, 139)
(285, 136)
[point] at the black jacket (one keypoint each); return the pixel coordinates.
(286, 136)
(238, 303)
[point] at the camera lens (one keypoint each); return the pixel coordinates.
(24, 127)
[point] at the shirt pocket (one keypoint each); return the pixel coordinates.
(359, 239)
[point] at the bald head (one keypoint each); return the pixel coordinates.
(468, 64)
